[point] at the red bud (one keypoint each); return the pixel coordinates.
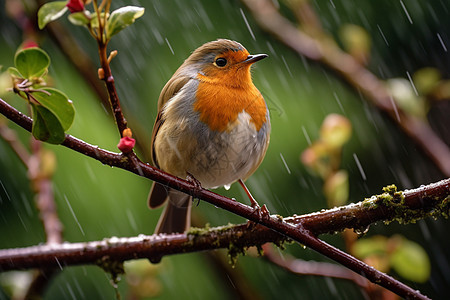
(75, 6)
(126, 144)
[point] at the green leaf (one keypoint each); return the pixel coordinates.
(14, 72)
(79, 18)
(375, 245)
(50, 12)
(31, 62)
(94, 19)
(336, 188)
(426, 80)
(411, 261)
(121, 18)
(58, 104)
(46, 127)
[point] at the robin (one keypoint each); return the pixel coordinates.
(212, 127)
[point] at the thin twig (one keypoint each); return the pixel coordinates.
(111, 87)
(102, 43)
(325, 51)
(302, 267)
(11, 138)
(45, 204)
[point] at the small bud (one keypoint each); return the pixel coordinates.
(126, 144)
(426, 80)
(405, 97)
(317, 159)
(336, 188)
(48, 163)
(357, 41)
(101, 73)
(127, 133)
(75, 6)
(335, 131)
(112, 55)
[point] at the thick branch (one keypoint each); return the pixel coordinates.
(432, 199)
(323, 50)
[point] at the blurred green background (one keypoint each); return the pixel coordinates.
(96, 201)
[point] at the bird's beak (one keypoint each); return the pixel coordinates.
(254, 58)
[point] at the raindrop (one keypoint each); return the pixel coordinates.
(170, 47)
(248, 25)
(412, 83)
(73, 214)
(204, 16)
(157, 35)
(78, 287)
(23, 223)
(59, 264)
(285, 164)
(26, 204)
(338, 102)
(131, 220)
(363, 175)
(286, 65)
(394, 106)
(91, 174)
(271, 50)
(425, 231)
(442, 42)
(71, 291)
(332, 3)
(6, 193)
(406, 12)
(382, 35)
(331, 286)
(305, 133)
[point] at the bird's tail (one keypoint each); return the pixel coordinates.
(176, 217)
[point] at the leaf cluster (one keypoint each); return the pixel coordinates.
(53, 112)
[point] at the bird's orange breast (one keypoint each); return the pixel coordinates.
(220, 99)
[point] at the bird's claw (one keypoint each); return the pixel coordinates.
(197, 184)
(261, 212)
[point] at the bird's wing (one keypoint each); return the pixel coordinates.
(172, 87)
(159, 193)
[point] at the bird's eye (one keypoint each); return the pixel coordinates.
(221, 62)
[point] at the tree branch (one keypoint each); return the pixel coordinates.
(433, 198)
(40, 171)
(324, 50)
(11, 138)
(314, 268)
(429, 200)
